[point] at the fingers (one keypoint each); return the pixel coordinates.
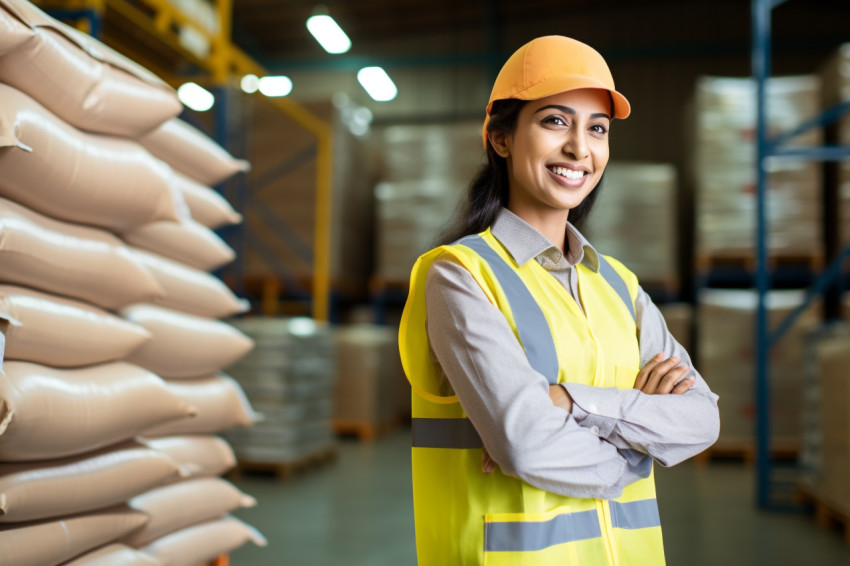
(657, 373)
(669, 381)
(643, 374)
(487, 463)
(683, 385)
(662, 377)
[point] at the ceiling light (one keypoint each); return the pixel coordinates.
(275, 86)
(377, 83)
(250, 84)
(195, 97)
(328, 33)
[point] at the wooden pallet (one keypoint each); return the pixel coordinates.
(828, 513)
(746, 261)
(285, 470)
(364, 431)
(745, 453)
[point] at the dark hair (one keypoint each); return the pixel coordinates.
(489, 189)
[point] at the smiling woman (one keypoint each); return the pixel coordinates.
(545, 382)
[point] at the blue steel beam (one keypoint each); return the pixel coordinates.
(286, 166)
(826, 118)
(761, 71)
(821, 284)
(823, 153)
(278, 225)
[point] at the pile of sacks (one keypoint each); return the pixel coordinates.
(111, 391)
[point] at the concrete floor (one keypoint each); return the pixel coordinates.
(357, 511)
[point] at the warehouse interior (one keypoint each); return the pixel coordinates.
(208, 220)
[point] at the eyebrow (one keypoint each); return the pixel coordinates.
(568, 110)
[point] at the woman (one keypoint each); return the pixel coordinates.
(545, 382)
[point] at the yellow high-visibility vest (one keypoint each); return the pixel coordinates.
(466, 517)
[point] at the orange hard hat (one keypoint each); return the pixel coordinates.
(550, 65)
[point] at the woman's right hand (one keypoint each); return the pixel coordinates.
(660, 376)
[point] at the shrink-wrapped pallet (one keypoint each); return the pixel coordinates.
(81, 80)
(819, 345)
(368, 376)
(634, 220)
(724, 163)
(726, 346)
(424, 173)
(289, 379)
(833, 361)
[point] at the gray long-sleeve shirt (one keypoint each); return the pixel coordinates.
(605, 443)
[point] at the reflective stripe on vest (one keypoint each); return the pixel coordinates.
(635, 514)
(531, 324)
(444, 433)
(528, 536)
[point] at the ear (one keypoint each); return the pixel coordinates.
(501, 143)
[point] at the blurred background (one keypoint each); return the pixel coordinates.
(320, 148)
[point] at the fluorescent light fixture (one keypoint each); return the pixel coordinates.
(250, 84)
(328, 33)
(275, 86)
(377, 83)
(195, 97)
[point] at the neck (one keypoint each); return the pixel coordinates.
(551, 223)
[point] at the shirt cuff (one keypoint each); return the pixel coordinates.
(586, 409)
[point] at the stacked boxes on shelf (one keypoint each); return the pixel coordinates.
(836, 89)
(726, 346)
(724, 164)
(833, 360)
(280, 213)
(634, 220)
(369, 379)
(425, 171)
(289, 378)
(110, 391)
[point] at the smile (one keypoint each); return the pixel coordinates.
(568, 173)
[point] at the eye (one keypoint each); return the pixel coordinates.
(599, 129)
(555, 120)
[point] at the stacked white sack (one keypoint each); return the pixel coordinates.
(72, 459)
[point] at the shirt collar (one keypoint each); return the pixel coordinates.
(524, 242)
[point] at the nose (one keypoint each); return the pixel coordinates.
(575, 145)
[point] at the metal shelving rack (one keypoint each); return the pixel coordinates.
(767, 148)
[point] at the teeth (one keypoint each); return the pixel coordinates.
(568, 173)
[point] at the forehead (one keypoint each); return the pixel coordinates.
(585, 100)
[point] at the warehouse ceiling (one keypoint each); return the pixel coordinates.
(412, 32)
